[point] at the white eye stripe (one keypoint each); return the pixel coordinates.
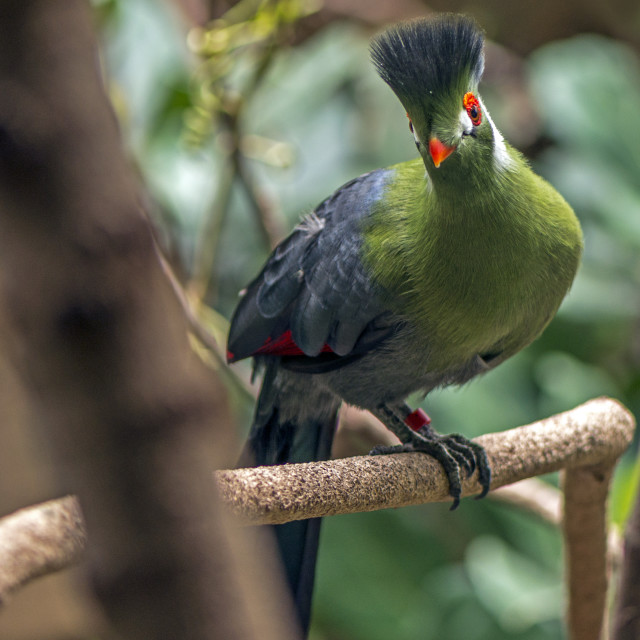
(413, 131)
(465, 122)
(501, 157)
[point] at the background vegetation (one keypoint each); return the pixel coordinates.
(239, 127)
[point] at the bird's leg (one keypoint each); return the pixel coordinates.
(454, 452)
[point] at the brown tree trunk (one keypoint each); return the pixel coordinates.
(135, 421)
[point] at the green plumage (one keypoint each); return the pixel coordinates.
(479, 252)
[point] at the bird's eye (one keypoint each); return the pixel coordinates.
(471, 104)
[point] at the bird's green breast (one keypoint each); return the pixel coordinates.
(476, 270)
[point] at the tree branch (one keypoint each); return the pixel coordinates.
(597, 432)
(585, 441)
(585, 534)
(39, 540)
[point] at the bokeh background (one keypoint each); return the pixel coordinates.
(240, 126)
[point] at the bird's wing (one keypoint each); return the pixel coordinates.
(314, 297)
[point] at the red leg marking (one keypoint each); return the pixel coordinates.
(417, 419)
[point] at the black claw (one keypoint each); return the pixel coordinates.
(462, 460)
(463, 452)
(384, 449)
(484, 470)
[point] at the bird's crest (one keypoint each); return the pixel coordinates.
(429, 56)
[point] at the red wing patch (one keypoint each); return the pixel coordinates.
(280, 346)
(284, 346)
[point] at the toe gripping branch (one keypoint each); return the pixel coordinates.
(453, 451)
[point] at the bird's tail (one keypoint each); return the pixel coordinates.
(294, 421)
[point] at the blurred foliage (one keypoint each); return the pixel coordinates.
(314, 115)
(235, 52)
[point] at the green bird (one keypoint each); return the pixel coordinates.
(420, 275)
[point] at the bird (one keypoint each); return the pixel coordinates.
(413, 277)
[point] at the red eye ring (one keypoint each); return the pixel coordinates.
(471, 104)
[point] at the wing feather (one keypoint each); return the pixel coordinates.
(316, 285)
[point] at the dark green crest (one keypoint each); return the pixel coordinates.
(429, 56)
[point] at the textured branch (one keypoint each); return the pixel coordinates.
(585, 533)
(597, 432)
(39, 540)
(586, 441)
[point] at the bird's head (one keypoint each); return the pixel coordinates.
(434, 66)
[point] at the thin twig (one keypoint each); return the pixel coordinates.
(202, 333)
(270, 223)
(233, 168)
(205, 337)
(208, 238)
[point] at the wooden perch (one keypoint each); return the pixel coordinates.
(586, 442)
(39, 540)
(585, 534)
(597, 432)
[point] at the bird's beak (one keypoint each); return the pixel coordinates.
(439, 151)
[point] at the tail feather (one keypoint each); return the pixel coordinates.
(298, 544)
(294, 422)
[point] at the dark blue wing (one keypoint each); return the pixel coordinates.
(315, 284)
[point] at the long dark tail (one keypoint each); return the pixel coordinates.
(294, 422)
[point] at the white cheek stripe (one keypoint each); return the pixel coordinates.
(501, 157)
(465, 121)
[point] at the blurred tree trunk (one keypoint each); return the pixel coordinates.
(135, 421)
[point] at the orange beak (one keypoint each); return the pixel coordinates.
(439, 151)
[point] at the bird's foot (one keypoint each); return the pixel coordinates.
(454, 452)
